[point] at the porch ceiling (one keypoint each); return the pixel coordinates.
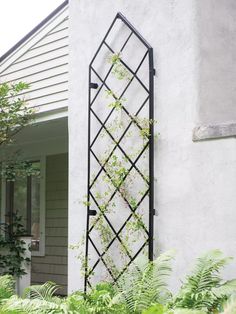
(43, 132)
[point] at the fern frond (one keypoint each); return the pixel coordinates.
(28, 306)
(226, 289)
(7, 286)
(157, 309)
(100, 300)
(41, 292)
(145, 283)
(203, 288)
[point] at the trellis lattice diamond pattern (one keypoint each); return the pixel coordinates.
(120, 154)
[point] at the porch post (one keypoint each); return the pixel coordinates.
(25, 280)
(77, 125)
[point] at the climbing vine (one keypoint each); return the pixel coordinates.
(120, 186)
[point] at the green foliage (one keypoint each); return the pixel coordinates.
(119, 70)
(187, 311)
(122, 184)
(116, 170)
(142, 290)
(13, 249)
(19, 169)
(42, 292)
(204, 288)
(14, 112)
(155, 309)
(41, 299)
(37, 298)
(7, 286)
(145, 284)
(116, 103)
(101, 300)
(28, 306)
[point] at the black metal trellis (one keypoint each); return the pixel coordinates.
(95, 89)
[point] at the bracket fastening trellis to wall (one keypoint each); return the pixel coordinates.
(122, 70)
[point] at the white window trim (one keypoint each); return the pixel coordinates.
(42, 160)
(41, 251)
(3, 200)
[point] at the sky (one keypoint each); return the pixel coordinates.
(18, 17)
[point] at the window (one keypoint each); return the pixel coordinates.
(25, 196)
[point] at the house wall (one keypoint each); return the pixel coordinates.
(195, 181)
(53, 266)
(217, 68)
(43, 62)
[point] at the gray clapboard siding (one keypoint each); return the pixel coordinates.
(52, 194)
(63, 24)
(37, 57)
(50, 269)
(50, 82)
(56, 204)
(54, 105)
(55, 241)
(41, 75)
(49, 101)
(18, 70)
(63, 27)
(56, 35)
(41, 278)
(56, 251)
(57, 232)
(51, 89)
(52, 223)
(50, 31)
(45, 66)
(53, 266)
(58, 260)
(52, 44)
(59, 213)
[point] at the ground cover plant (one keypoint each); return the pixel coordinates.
(142, 290)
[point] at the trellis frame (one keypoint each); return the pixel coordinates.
(150, 145)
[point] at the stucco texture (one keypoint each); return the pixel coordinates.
(217, 68)
(194, 182)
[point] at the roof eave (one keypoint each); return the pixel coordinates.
(34, 30)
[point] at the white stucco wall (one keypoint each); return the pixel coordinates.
(195, 182)
(217, 44)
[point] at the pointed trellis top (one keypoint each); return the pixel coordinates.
(130, 26)
(118, 145)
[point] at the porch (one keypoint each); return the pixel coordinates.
(43, 204)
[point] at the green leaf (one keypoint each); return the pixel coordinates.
(145, 283)
(154, 309)
(204, 289)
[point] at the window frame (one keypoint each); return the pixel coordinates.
(42, 161)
